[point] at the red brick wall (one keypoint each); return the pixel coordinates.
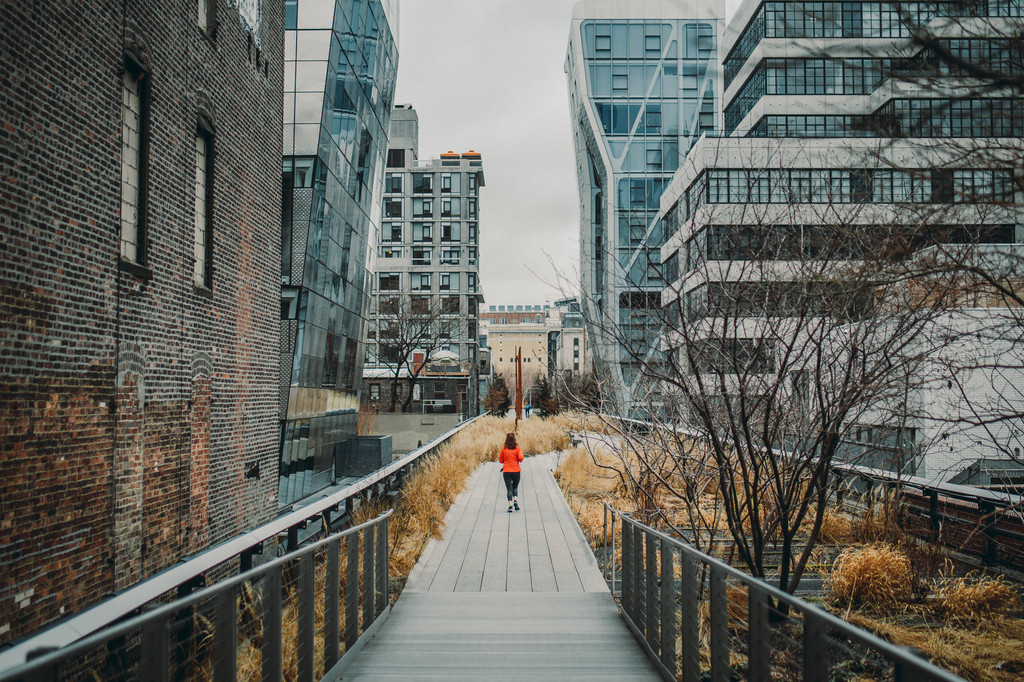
(131, 406)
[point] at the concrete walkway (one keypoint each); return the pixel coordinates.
(505, 597)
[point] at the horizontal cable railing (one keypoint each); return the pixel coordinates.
(698, 617)
(290, 618)
(332, 508)
(987, 524)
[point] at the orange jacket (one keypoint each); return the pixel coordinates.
(510, 459)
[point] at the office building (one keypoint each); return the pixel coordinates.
(642, 89)
(837, 118)
(340, 64)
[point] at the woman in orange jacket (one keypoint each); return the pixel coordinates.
(510, 457)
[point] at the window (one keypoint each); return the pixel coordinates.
(471, 255)
(133, 162)
(421, 232)
(202, 246)
(472, 184)
(396, 158)
(421, 281)
(450, 232)
(374, 391)
(421, 255)
(389, 281)
(449, 281)
(393, 208)
(207, 18)
(393, 183)
(391, 232)
(422, 183)
(472, 233)
(422, 208)
(390, 252)
(472, 208)
(451, 183)
(450, 305)
(471, 282)
(450, 256)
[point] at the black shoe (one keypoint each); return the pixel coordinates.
(510, 509)
(516, 505)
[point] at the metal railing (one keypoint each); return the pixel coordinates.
(332, 508)
(290, 618)
(696, 615)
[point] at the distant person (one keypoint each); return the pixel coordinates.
(510, 457)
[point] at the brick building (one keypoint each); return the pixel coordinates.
(139, 290)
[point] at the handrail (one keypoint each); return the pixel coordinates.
(649, 604)
(113, 609)
(156, 636)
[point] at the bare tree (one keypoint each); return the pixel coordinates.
(795, 316)
(407, 327)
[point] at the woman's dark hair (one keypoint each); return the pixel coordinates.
(510, 442)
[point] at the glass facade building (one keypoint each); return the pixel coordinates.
(642, 89)
(340, 64)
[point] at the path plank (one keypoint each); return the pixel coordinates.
(506, 596)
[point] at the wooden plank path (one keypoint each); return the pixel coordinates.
(505, 596)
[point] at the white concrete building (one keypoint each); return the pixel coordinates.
(835, 119)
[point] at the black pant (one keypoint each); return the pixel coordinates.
(511, 483)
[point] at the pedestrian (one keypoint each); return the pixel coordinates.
(510, 457)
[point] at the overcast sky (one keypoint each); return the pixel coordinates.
(488, 75)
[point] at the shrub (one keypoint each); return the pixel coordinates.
(877, 576)
(971, 598)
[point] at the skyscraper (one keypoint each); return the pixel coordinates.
(340, 65)
(642, 89)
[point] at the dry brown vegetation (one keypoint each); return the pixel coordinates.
(908, 592)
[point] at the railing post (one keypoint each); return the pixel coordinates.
(272, 663)
(613, 553)
(720, 670)
(816, 656)
(155, 663)
(382, 566)
(352, 592)
(933, 513)
(225, 636)
(637, 574)
(368, 577)
(651, 600)
(627, 571)
(668, 608)
(689, 615)
(332, 599)
(988, 525)
(306, 626)
(758, 632)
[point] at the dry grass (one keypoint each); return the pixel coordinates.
(589, 473)
(970, 599)
(876, 576)
(991, 652)
(835, 528)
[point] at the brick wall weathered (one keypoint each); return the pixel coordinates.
(138, 413)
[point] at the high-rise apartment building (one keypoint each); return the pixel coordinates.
(643, 86)
(840, 119)
(427, 275)
(139, 291)
(340, 65)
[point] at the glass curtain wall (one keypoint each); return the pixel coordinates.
(341, 59)
(645, 91)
